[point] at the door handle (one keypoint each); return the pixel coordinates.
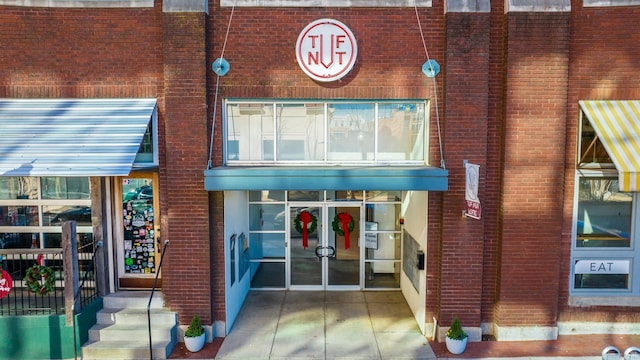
(333, 251)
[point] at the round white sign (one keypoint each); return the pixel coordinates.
(326, 50)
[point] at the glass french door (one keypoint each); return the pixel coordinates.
(324, 246)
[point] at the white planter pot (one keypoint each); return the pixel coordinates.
(194, 344)
(456, 346)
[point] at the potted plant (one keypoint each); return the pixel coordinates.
(194, 336)
(456, 338)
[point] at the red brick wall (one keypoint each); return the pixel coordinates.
(534, 144)
(187, 279)
(79, 53)
(465, 134)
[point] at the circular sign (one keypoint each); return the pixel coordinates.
(6, 284)
(326, 50)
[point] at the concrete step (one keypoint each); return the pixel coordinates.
(130, 331)
(122, 328)
(158, 317)
(126, 349)
(133, 299)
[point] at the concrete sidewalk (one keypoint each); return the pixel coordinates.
(325, 325)
(366, 325)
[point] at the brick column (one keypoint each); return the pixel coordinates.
(532, 180)
(187, 272)
(465, 138)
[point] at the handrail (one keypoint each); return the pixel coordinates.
(153, 289)
(77, 295)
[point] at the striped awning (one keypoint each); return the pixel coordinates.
(71, 137)
(617, 125)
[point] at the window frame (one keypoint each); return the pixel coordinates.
(325, 105)
(632, 253)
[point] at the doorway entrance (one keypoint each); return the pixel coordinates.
(138, 231)
(325, 251)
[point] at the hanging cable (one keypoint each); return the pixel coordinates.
(435, 92)
(222, 70)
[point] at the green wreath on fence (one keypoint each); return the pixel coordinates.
(40, 279)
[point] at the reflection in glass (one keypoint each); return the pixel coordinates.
(19, 216)
(351, 132)
(601, 281)
(65, 187)
(18, 240)
(249, 129)
(385, 215)
(401, 131)
(267, 246)
(18, 187)
(383, 196)
(267, 275)
(300, 132)
(305, 195)
(604, 214)
(266, 195)
(266, 217)
(57, 214)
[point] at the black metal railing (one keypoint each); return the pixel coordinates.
(153, 290)
(21, 300)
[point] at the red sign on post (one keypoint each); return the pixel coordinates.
(326, 50)
(6, 284)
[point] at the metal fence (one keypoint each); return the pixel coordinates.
(38, 281)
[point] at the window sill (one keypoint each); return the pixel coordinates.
(583, 301)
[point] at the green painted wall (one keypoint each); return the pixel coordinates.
(45, 336)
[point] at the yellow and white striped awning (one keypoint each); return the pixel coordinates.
(617, 124)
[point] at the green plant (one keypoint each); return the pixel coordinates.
(195, 328)
(455, 331)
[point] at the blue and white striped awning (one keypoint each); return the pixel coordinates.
(617, 124)
(71, 137)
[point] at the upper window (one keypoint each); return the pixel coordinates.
(320, 133)
(326, 3)
(609, 3)
(80, 3)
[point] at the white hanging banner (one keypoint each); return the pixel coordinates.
(472, 206)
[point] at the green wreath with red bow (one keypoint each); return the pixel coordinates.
(39, 279)
(308, 218)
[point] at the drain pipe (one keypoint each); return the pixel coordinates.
(435, 329)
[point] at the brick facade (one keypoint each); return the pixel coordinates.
(506, 99)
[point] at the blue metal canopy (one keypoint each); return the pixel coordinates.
(424, 178)
(71, 137)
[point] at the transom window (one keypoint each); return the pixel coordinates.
(320, 133)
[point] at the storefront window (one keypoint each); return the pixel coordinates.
(33, 209)
(605, 254)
